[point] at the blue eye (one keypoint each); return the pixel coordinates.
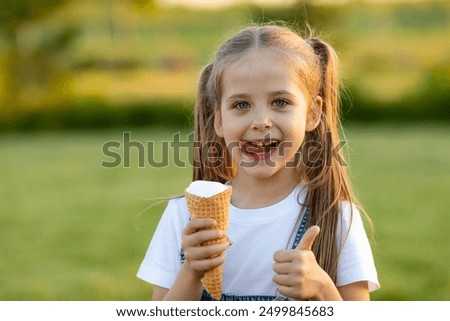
(280, 103)
(241, 105)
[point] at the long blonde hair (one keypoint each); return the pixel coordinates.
(320, 169)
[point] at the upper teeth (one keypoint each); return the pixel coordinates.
(261, 144)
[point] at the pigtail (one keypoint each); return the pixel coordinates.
(325, 171)
(212, 161)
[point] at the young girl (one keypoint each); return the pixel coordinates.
(267, 112)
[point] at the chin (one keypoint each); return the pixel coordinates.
(264, 172)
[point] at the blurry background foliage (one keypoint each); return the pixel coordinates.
(71, 64)
(73, 230)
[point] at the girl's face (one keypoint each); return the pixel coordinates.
(264, 114)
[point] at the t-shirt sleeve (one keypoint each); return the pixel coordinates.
(162, 260)
(356, 261)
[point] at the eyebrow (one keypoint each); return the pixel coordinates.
(272, 93)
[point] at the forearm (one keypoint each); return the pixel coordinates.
(329, 292)
(187, 287)
(357, 291)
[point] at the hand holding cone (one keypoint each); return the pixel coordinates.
(207, 199)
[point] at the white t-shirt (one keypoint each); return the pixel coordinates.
(256, 235)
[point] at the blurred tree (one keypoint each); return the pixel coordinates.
(32, 56)
(16, 63)
(300, 15)
(144, 4)
(14, 12)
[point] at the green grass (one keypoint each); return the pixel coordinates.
(401, 174)
(72, 230)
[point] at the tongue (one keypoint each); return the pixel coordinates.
(252, 149)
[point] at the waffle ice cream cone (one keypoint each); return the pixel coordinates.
(207, 199)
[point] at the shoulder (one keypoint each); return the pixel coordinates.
(356, 261)
(349, 217)
(347, 209)
(176, 211)
(350, 227)
(177, 203)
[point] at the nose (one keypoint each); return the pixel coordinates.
(261, 121)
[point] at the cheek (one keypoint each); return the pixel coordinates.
(295, 140)
(295, 127)
(232, 145)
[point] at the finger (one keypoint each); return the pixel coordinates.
(283, 256)
(197, 238)
(205, 252)
(282, 279)
(207, 264)
(282, 268)
(294, 292)
(308, 238)
(286, 290)
(197, 224)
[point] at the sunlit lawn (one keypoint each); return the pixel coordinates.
(402, 176)
(70, 229)
(73, 230)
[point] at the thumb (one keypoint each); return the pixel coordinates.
(308, 238)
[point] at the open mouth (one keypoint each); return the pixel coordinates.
(258, 149)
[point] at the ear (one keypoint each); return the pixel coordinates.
(218, 123)
(314, 113)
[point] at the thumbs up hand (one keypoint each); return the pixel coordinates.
(298, 275)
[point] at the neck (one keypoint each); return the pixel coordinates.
(250, 192)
